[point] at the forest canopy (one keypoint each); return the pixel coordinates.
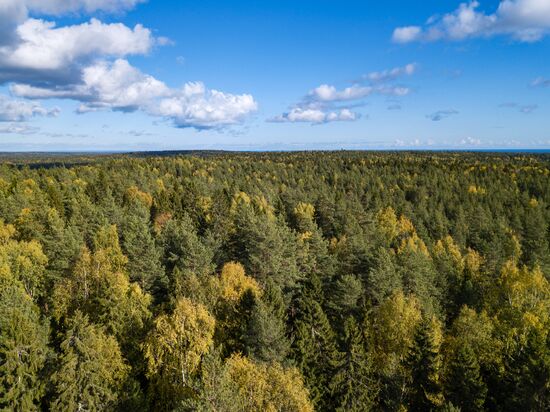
(327, 281)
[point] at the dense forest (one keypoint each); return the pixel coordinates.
(326, 281)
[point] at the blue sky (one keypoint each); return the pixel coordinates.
(155, 75)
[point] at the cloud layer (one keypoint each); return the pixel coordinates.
(523, 20)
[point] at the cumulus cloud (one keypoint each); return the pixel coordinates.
(441, 114)
(86, 62)
(524, 20)
(13, 110)
(315, 116)
(195, 106)
(326, 103)
(120, 86)
(45, 53)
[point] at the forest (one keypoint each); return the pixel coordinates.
(299, 281)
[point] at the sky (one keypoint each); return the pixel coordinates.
(125, 75)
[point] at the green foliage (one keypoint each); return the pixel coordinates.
(424, 361)
(23, 349)
(275, 281)
(314, 346)
(354, 385)
(91, 371)
(465, 387)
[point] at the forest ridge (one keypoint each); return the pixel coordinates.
(347, 281)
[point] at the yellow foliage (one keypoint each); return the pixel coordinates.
(304, 210)
(302, 237)
(472, 262)
(6, 232)
(396, 321)
(108, 250)
(144, 198)
(387, 222)
(475, 330)
(25, 260)
(475, 190)
(447, 248)
(177, 342)
(524, 289)
(234, 282)
(267, 388)
(413, 244)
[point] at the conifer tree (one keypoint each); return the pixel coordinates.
(265, 338)
(354, 386)
(464, 385)
(314, 346)
(144, 257)
(424, 361)
(23, 349)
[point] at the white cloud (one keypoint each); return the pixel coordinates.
(524, 20)
(12, 12)
(195, 106)
(44, 47)
(407, 34)
(13, 110)
(315, 116)
(15, 12)
(119, 86)
(326, 93)
(85, 62)
(326, 103)
(470, 141)
(392, 74)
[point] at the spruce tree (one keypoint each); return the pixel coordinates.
(314, 346)
(144, 257)
(425, 392)
(353, 386)
(464, 384)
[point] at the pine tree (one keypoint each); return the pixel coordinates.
(265, 338)
(383, 279)
(424, 361)
(353, 386)
(464, 385)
